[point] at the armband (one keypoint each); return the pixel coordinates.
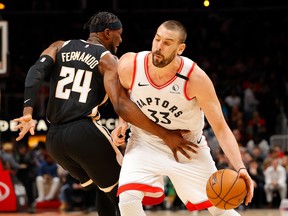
(35, 78)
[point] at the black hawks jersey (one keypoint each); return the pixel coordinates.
(76, 85)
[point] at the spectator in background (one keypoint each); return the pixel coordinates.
(247, 158)
(47, 177)
(258, 155)
(235, 116)
(26, 175)
(257, 176)
(275, 181)
(250, 102)
(256, 125)
(261, 142)
(39, 153)
(277, 152)
(233, 99)
(9, 161)
(73, 196)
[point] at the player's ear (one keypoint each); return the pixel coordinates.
(107, 32)
(181, 48)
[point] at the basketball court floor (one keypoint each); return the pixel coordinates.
(252, 212)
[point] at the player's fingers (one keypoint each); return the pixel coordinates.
(20, 136)
(183, 132)
(175, 156)
(120, 133)
(119, 142)
(191, 144)
(185, 153)
(32, 132)
(119, 130)
(16, 120)
(187, 143)
(19, 126)
(188, 148)
(250, 186)
(249, 195)
(248, 198)
(117, 138)
(114, 134)
(124, 129)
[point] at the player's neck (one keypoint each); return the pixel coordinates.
(162, 75)
(94, 39)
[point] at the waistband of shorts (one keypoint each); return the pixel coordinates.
(64, 125)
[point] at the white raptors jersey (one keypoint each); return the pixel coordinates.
(167, 105)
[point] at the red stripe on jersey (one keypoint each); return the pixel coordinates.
(186, 83)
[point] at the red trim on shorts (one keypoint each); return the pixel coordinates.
(147, 200)
(199, 206)
(152, 200)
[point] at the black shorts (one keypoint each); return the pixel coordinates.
(84, 151)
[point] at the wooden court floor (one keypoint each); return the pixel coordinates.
(252, 212)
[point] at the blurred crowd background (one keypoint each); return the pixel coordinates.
(242, 45)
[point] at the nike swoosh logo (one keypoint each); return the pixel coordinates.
(27, 100)
(198, 141)
(140, 84)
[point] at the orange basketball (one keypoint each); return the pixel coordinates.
(225, 189)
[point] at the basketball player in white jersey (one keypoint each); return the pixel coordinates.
(175, 93)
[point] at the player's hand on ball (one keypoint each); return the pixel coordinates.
(243, 173)
(225, 189)
(25, 124)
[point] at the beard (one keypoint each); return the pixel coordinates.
(160, 63)
(112, 49)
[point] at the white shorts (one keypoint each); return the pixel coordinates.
(145, 165)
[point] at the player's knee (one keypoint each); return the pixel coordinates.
(220, 212)
(131, 203)
(131, 195)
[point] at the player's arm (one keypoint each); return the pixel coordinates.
(33, 81)
(201, 87)
(130, 112)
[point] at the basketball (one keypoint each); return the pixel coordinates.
(225, 190)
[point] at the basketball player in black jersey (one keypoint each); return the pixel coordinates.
(81, 74)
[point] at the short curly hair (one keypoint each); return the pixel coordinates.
(102, 20)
